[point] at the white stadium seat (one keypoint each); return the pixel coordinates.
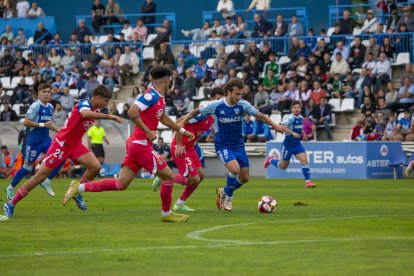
(402, 58)
(150, 38)
(148, 53)
(348, 105)
(5, 81)
(336, 104)
(167, 135)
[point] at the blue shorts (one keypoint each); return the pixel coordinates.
(227, 154)
(288, 151)
(33, 151)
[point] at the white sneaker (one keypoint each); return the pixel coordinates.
(228, 203)
(48, 188)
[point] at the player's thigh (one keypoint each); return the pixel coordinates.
(89, 160)
(241, 157)
(200, 173)
(233, 167)
(38, 178)
(300, 154)
(165, 174)
(126, 176)
(228, 157)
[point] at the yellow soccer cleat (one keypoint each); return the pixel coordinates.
(174, 217)
(71, 192)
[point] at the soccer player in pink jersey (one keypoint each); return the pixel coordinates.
(145, 113)
(185, 156)
(68, 144)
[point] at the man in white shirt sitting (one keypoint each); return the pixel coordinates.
(382, 71)
(129, 64)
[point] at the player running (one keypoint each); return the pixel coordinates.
(292, 146)
(186, 157)
(228, 114)
(39, 119)
(145, 113)
(68, 144)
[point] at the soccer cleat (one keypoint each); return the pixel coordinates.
(156, 184)
(71, 192)
(310, 185)
(10, 193)
(3, 218)
(408, 171)
(182, 207)
(268, 162)
(8, 209)
(221, 196)
(80, 203)
(48, 188)
(228, 203)
(174, 217)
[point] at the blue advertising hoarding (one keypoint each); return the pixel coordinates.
(341, 160)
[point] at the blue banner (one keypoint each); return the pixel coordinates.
(341, 160)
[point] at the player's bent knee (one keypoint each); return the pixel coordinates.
(194, 180)
(244, 179)
(283, 165)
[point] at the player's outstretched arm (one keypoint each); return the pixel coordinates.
(189, 116)
(134, 114)
(29, 123)
(88, 114)
(165, 120)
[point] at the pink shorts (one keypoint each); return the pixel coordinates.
(57, 154)
(142, 156)
(188, 163)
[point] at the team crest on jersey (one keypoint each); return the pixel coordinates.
(87, 124)
(148, 96)
(237, 111)
(159, 113)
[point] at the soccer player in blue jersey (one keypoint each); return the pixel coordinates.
(292, 146)
(39, 120)
(228, 114)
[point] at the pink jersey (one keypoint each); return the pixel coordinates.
(196, 126)
(75, 125)
(152, 107)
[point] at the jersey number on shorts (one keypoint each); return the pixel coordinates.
(58, 154)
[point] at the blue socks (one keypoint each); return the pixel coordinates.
(55, 172)
(275, 163)
(231, 184)
(238, 184)
(306, 172)
(19, 175)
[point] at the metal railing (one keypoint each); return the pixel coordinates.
(270, 15)
(159, 17)
(358, 12)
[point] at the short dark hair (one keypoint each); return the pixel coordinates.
(216, 91)
(159, 72)
(44, 86)
(3, 147)
(295, 103)
(229, 86)
(103, 91)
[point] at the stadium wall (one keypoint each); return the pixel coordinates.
(66, 11)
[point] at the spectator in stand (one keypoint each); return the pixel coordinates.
(406, 93)
(165, 56)
(261, 99)
(68, 60)
(340, 48)
(149, 7)
(90, 85)
(371, 23)
(247, 128)
(129, 65)
(282, 25)
(301, 67)
(229, 29)
(253, 69)
(19, 63)
(176, 80)
(217, 27)
(317, 93)
(309, 129)
(41, 33)
(22, 8)
(7, 162)
(369, 64)
(292, 53)
(54, 58)
(220, 80)
(390, 127)
(57, 88)
(7, 63)
(241, 27)
(373, 48)
(59, 115)
(235, 58)
(35, 11)
(262, 27)
(226, 8)
(403, 131)
(81, 30)
(98, 11)
(112, 108)
(248, 95)
(387, 48)
(382, 71)
(261, 132)
(339, 66)
(270, 81)
(67, 101)
(356, 54)
(321, 49)
(322, 115)
(181, 101)
(55, 43)
(164, 151)
(111, 74)
(402, 42)
(163, 33)
(201, 73)
(93, 58)
(141, 30)
(322, 78)
(295, 28)
(408, 73)
(125, 109)
(8, 34)
(304, 91)
(8, 114)
(369, 108)
(382, 108)
(393, 21)
(260, 5)
(134, 96)
(74, 44)
(303, 50)
(20, 39)
(291, 94)
(112, 10)
(308, 108)
(21, 92)
(199, 34)
(391, 96)
(347, 24)
(348, 86)
(190, 83)
(407, 19)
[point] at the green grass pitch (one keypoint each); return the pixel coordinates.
(350, 227)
